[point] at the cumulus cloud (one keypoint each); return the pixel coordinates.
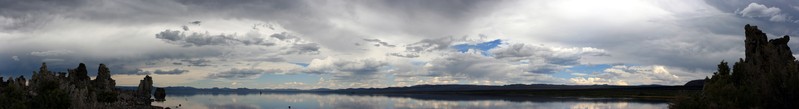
(15, 58)
(631, 75)
(758, 10)
(235, 73)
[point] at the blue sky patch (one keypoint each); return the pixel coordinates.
(483, 47)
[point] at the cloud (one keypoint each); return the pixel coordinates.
(379, 42)
(205, 39)
(631, 75)
(235, 73)
(427, 45)
(15, 58)
(472, 66)
(354, 70)
(308, 48)
(185, 28)
(686, 37)
(758, 10)
(270, 59)
(285, 37)
(596, 81)
(405, 55)
(197, 62)
(170, 72)
(196, 22)
(122, 69)
(551, 55)
(51, 53)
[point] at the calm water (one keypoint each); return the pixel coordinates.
(337, 101)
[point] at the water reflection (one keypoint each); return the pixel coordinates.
(340, 101)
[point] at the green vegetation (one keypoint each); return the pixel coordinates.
(13, 97)
(743, 88)
(50, 96)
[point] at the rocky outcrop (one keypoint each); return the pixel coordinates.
(767, 78)
(160, 94)
(103, 80)
(79, 74)
(145, 88)
(48, 90)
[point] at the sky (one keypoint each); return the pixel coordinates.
(393, 43)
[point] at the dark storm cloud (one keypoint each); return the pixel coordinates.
(379, 42)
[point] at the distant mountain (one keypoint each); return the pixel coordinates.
(416, 88)
(695, 83)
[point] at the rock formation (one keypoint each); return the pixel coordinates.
(160, 94)
(767, 78)
(47, 90)
(103, 80)
(145, 88)
(79, 74)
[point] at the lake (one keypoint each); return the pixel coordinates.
(397, 101)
